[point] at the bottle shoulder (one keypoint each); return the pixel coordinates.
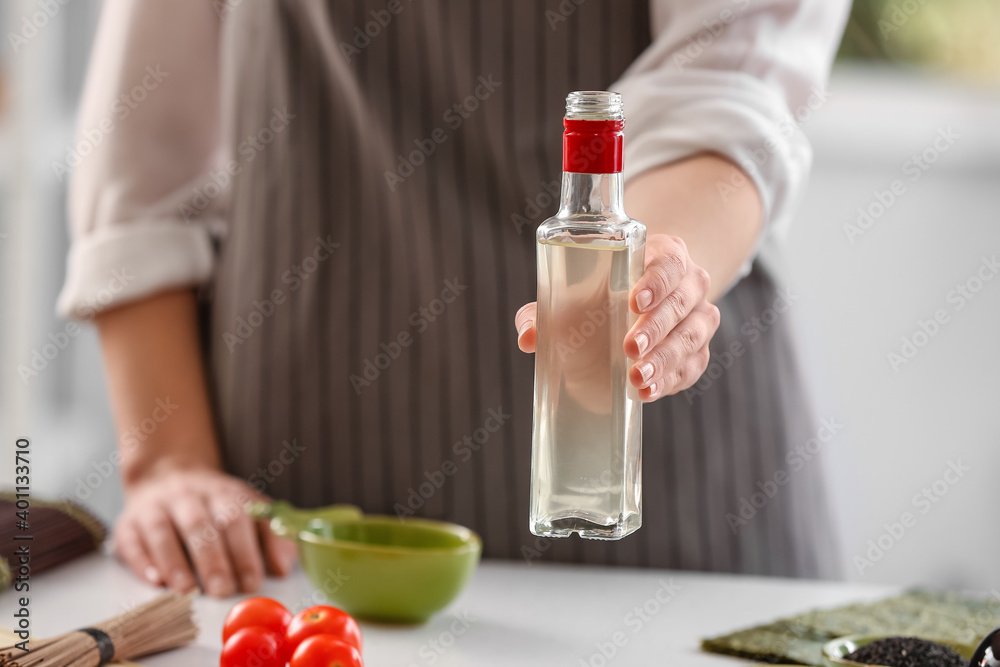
(625, 230)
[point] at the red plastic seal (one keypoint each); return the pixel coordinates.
(593, 146)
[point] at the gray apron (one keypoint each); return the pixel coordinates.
(380, 239)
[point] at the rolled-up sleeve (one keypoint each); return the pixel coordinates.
(737, 78)
(149, 131)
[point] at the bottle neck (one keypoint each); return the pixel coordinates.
(599, 195)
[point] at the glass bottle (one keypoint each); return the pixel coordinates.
(586, 463)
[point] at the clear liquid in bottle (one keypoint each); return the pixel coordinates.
(586, 448)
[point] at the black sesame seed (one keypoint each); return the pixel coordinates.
(907, 652)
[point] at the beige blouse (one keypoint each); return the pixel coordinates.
(736, 76)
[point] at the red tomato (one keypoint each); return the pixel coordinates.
(323, 620)
(253, 647)
(257, 613)
(326, 651)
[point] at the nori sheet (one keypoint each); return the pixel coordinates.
(799, 639)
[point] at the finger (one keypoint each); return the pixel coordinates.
(163, 545)
(684, 341)
(204, 545)
(524, 322)
(279, 554)
(130, 549)
(666, 266)
(655, 324)
(240, 536)
(683, 377)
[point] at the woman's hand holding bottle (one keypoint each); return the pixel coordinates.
(669, 342)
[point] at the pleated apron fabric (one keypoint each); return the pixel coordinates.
(395, 160)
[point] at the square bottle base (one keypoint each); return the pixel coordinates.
(567, 525)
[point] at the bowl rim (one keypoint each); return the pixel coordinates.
(828, 647)
(470, 540)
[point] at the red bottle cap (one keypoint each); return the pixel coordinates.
(593, 146)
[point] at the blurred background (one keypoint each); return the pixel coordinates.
(915, 98)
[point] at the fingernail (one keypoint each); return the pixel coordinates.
(524, 327)
(152, 576)
(643, 299)
(642, 342)
(652, 390)
(217, 586)
(646, 371)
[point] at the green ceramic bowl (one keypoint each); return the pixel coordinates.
(379, 567)
(834, 652)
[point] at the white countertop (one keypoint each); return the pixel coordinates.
(510, 614)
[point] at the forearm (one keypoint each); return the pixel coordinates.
(157, 384)
(684, 199)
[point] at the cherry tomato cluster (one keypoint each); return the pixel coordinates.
(260, 632)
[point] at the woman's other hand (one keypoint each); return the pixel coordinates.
(183, 526)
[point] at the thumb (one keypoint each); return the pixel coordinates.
(524, 322)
